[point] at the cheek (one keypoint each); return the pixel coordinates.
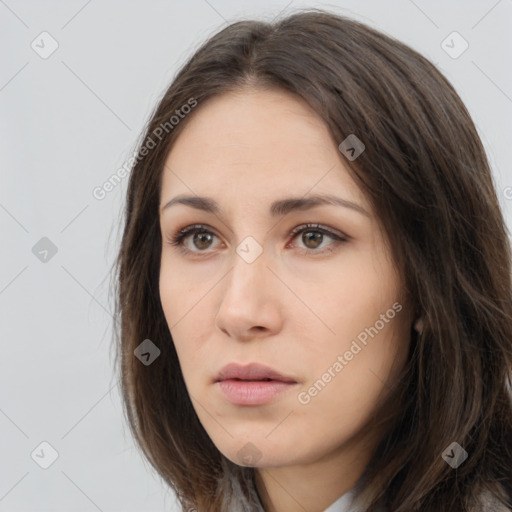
(185, 307)
(173, 297)
(179, 296)
(364, 322)
(355, 293)
(345, 386)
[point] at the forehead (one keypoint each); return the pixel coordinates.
(258, 143)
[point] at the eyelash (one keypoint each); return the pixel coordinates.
(178, 237)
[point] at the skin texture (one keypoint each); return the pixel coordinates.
(291, 310)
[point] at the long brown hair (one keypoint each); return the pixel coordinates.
(428, 179)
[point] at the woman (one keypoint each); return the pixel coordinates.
(314, 281)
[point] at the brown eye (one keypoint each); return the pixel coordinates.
(198, 239)
(202, 240)
(314, 235)
(312, 239)
(193, 239)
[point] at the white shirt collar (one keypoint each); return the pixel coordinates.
(343, 503)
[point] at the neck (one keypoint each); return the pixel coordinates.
(312, 486)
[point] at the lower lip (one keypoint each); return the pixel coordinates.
(244, 392)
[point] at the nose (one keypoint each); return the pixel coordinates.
(250, 304)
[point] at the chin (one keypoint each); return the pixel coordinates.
(253, 452)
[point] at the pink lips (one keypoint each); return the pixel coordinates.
(253, 384)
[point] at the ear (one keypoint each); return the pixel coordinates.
(418, 325)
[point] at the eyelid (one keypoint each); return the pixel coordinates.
(319, 227)
(178, 237)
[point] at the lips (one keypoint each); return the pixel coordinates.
(252, 385)
(251, 372)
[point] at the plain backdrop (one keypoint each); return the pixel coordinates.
(69, 120)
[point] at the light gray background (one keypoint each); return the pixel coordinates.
(68, 123)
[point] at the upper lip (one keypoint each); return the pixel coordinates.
(252, 371)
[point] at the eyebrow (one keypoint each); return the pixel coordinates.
(277, 208)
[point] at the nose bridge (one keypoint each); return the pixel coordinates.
(247, 305)
(249, 269)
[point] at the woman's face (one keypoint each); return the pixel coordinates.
(320, 305)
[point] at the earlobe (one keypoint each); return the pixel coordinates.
(418, 325)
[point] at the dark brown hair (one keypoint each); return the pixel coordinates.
(427, 177)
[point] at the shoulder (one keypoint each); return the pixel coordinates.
(490, 503)
(487, 502)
